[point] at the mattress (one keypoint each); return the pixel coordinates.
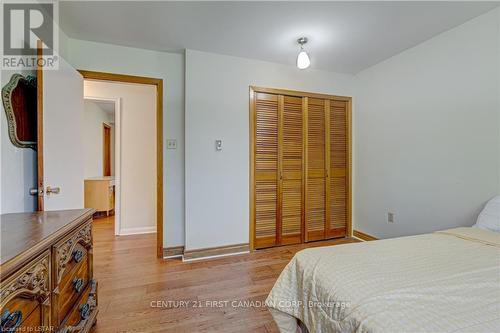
(447, 281)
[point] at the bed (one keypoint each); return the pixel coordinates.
(447, 281)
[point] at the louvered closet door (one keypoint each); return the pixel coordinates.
(315, 219)
(291, 150)
(266, 169)
(338, 172)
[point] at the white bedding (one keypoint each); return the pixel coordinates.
(447, 281)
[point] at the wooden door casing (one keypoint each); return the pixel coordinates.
(106, 150)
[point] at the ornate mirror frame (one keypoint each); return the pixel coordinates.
(19, 98)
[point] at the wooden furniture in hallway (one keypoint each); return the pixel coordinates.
(46, 264)
(100, 194)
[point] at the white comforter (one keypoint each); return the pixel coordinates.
(448, 281)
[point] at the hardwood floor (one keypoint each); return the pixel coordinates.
(132, 281)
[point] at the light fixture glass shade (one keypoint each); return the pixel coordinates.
(303, 60)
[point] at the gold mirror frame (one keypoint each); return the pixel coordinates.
(18, 81)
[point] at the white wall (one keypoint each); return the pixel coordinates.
(170, 68)
(138, 151)
(94, 117)
(217, 107)
(18, 166)
(426, 131)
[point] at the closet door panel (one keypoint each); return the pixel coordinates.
(338, 169)
(316, 157)
(291, 170)
(266, 169)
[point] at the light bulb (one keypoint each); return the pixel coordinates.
(303, 60)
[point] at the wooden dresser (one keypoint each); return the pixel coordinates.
(100, 194)
(46, 280)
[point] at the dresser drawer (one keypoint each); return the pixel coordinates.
(72, 271)
(83, 315)
(25, 297)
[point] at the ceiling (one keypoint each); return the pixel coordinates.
(343, 37)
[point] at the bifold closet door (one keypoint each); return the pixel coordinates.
(316, 182)
(291, 166)
(338, 169)
(300, 168)
(266, 169)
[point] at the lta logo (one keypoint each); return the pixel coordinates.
(24, 24)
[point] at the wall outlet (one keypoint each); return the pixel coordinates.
(171, 144)
(390, 217)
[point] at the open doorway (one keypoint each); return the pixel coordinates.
(106, 149)
(141, 132)
(102, 158)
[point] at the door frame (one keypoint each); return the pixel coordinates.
(252, 117)
(105, 161)
(39, 125)
(123, 78)
(118, 156)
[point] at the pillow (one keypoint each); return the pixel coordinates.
(489, 218)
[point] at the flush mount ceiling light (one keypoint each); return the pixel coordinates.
(303, 58)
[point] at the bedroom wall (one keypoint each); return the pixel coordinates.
(17, 166)
(217, 107)
(169, 67)
(427, 138)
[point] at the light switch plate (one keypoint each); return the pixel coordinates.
(171, 144)
(218, 145)
(390, 217)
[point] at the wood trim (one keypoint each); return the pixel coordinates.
(305, 159)
(303, 230)
(252, 169)
(174, 251)
(298, 93)
(159, 169)
(363, 236)
(105, 160)
(215, 251)
(102, 76)
(39, 124)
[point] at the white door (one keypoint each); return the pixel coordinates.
(62, 138)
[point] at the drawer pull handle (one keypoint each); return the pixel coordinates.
(11, 321)
(77, 255)
(85, 311)
(78, 284)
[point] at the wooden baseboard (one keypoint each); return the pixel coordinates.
(363, 236)
(174, 251)
(215, 251)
